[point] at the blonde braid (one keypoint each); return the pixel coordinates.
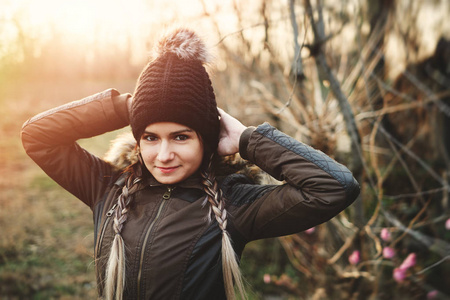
(115, 269)
(231, 271)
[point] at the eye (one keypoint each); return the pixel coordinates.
(181, 137)
(149, 138)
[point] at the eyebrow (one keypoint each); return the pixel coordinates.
(172, 133)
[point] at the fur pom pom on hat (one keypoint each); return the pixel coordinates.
(175, 87)
(186, 44)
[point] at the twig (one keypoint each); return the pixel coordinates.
(399, 107)
(444, 108)
(419, 194)
(415, 157)
(440, 247)
(411, 223)
(433, 265)
(297, 66)
(287, 113)
(287, 245)
(248, 27)
(344, 247)
(346, 110)
(357, 274)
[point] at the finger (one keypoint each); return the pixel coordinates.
(221, 111)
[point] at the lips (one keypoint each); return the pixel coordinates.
(167, 170)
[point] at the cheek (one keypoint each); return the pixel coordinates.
(147, 154)
(194, 155)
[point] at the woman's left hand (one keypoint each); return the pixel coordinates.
(230, 133)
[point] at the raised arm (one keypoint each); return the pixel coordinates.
(50, 139)
(317, 187)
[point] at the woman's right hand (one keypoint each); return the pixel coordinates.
(230, 133)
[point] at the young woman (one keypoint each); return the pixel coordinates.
(173, 224)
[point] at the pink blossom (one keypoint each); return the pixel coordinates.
(385, 235)
(409, 261)
(447, 224)
(354, 257)
(432, 294)
(399, 274)
(388, 252)
(310, 230)
(267, 278)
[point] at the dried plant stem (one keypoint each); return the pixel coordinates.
(347, 244)
(287, 244)
(411, 223)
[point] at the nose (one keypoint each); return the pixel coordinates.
(165, 153)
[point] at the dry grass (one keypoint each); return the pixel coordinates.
(47, 242)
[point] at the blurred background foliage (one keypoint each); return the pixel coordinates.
(367, 82)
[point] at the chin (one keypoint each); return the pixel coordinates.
(167, 180)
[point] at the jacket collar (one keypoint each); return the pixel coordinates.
(193, 182)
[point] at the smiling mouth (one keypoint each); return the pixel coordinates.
(167, 170)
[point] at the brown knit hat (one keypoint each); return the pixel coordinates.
(175, 87)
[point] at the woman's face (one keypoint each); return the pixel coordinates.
(171, 152)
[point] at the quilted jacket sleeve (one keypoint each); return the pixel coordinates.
(317, 187)
(50, 139)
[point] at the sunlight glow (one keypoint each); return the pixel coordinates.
(80, 18)
(99, 24)
(90, 20)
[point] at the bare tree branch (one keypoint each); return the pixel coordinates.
(297, 65)
(319, 37)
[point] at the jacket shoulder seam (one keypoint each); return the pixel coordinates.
(317, 157)
(105, 94)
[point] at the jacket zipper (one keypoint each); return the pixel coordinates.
(100, 241)
(108, 218)
(165, 197)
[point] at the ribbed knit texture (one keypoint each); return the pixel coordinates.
(174, 89)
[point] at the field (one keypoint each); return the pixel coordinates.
(46, 245)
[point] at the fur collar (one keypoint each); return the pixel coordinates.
(122, 153)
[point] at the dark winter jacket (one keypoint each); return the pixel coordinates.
(172, 252)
